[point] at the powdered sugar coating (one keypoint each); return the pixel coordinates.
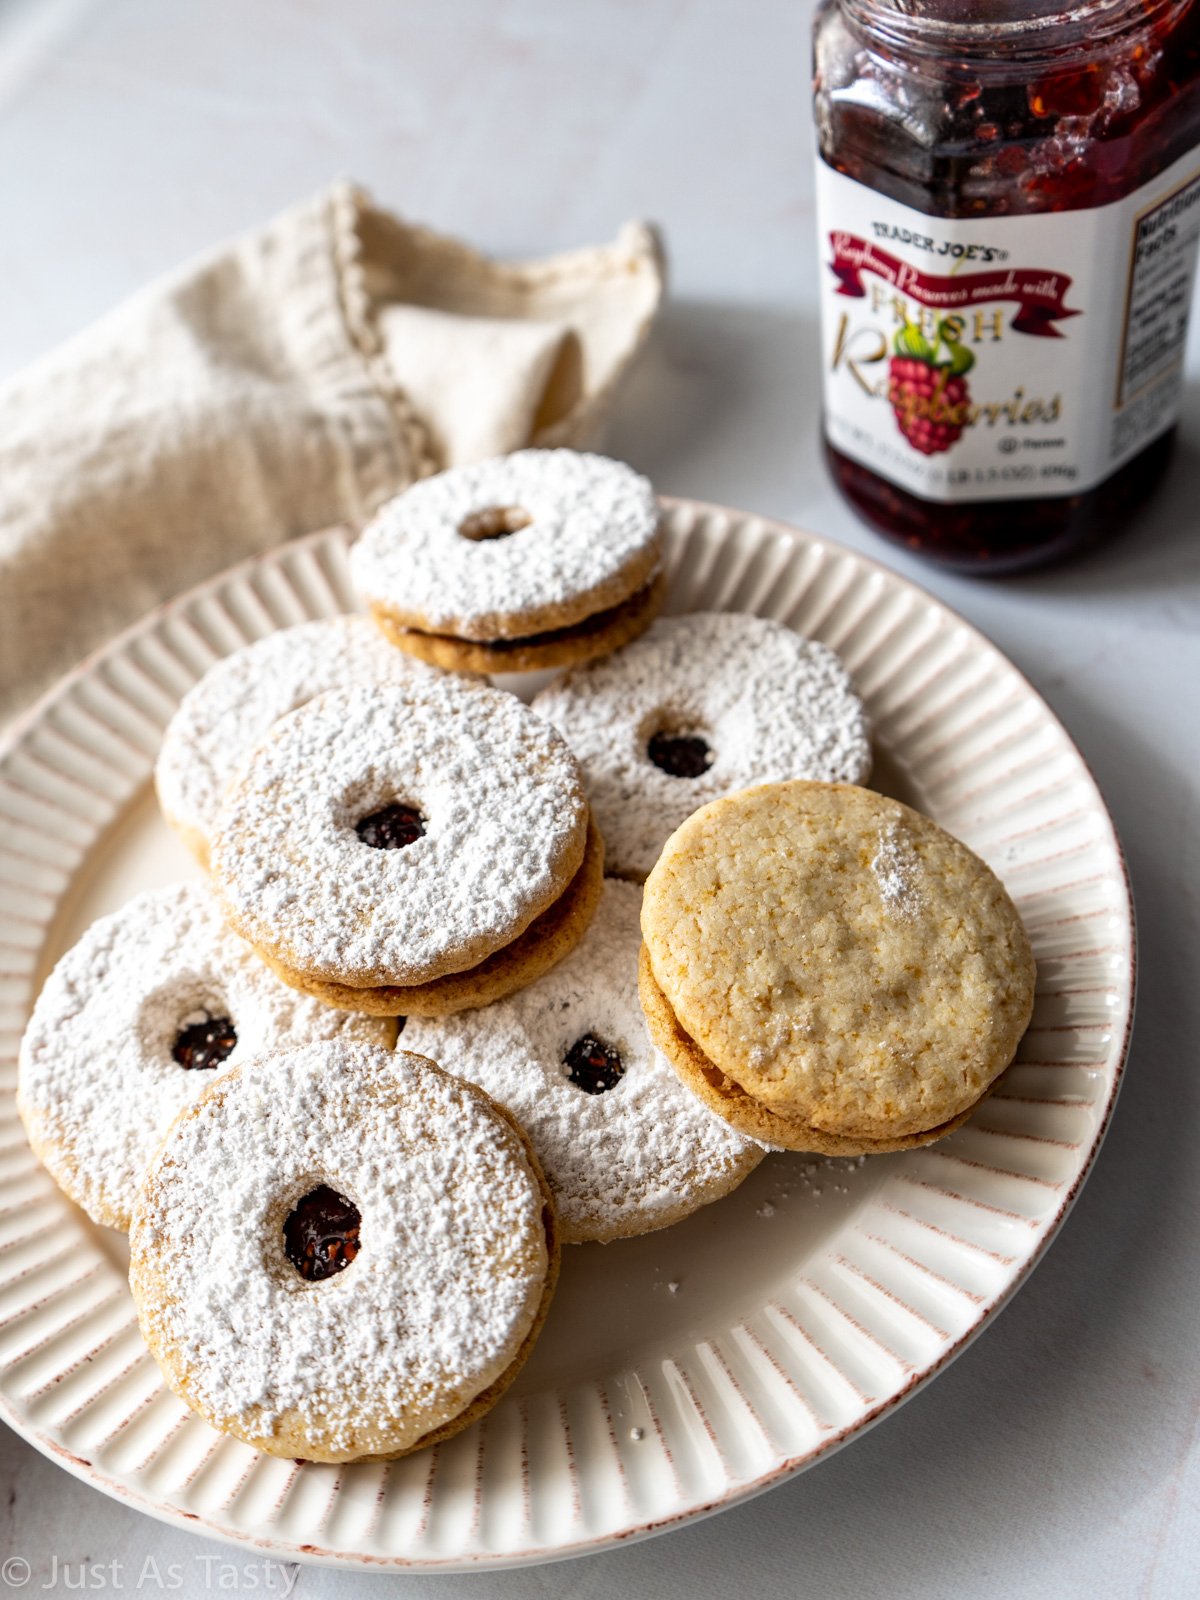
(898, 872)
(505, 825)
(593, 539)
(770, 705)
(98, 1086)
(448, 1281)
(634, 1158)
(235, 703)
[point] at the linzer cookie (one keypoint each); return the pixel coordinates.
(340, 1252)
(624, 1146)
(830, 970)
(415, 850)
(544, 558)
(227, 713)
(135, 1021)
(701, 706)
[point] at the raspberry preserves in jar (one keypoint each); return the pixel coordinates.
(1009, 214)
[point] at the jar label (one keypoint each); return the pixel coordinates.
(1006, 358)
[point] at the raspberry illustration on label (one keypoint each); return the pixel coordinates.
(929, 394)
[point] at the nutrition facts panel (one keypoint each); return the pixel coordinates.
(1162, 269)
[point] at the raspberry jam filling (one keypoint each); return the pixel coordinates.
(391, 828)
(320, 1235)
(680, 755)
(204, 1044)
(592, 1065)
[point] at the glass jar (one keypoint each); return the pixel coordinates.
(1008, 203)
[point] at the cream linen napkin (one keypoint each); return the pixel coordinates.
(286, 382)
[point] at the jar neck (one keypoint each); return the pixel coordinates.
(1008, 33)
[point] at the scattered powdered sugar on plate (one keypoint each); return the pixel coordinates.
(811, 1179)
(235, 703)
(98, 1086)
(504, 816)
(448, 1279)
(768, 704)
(636, 1156)
(897, 868)
(592, 521)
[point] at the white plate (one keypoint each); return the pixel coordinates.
(680, 1372)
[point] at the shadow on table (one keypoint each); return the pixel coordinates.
(1158, 553)
(713, 409)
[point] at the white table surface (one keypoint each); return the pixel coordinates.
(1059, 1456)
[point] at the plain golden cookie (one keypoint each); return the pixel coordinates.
(749, 1116)
(837, 959)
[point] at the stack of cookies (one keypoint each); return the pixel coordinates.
(631, 936)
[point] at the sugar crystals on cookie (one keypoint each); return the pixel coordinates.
(830, 970)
